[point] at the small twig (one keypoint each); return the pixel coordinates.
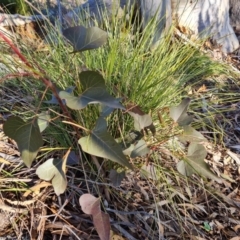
(184, 37)
(70, 230)
(63, 205)
(124, 232)
(43, 95)
(20, 203)
(15, 49)
(103, 175)
(12, 209)
(60, 217)
(96, 162)
(76, 125)
(15, 75)
(146, 214)
(15, 180)
(82, 163)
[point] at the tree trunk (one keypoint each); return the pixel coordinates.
(207, 18)
(98, 10)
(203, 18)
(234, 13)
(161, 12)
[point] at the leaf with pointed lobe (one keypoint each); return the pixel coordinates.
(100, 143)
(27, 136)
(83, 39)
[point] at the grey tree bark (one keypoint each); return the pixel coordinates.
(207, 18)
(161, 12)
(99, 9)
(234, 13)
(204, 18)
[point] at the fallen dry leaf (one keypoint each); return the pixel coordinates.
(91, 205)
(36, 189)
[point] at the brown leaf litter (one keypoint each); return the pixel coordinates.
(169, 206)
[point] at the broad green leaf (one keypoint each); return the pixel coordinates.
(91, 205)
(195, 163)
(185, 120)
(142, 121)
(91, 96)
(191, 135)
(83, 39)
(91, 79)
(130, 139)
(100, 143)
(128, 150)
(105, 110)
(54, 99)
(116, 177)
(179, 113)
(188, 167)
(196, 151)
(27, 136)
(94, 91)
(140, 149)
(185, 168)
(43, 121)
(54, 170)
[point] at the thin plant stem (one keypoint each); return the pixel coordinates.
(47, 82)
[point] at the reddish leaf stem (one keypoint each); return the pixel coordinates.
(48, 83)
(15, 49)
(14, 75)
